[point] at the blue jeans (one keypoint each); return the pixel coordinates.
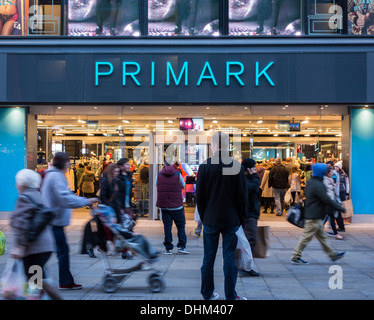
(229, 242)
(62, 250)
(168, 216)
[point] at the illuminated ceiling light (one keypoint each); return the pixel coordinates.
(170, 121)
(58, 107)
(126, 121)
(95, 108)
(215, 121)
(40, 121)
(207, 108)
(275, 135)
(260, 121)
(305, 121)
(81, 121)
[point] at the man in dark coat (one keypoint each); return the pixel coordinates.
(278, 180)
(253, 209)
(221, 201)
(314, 212)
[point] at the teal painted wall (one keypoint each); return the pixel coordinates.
(12, 153)
(362, 155)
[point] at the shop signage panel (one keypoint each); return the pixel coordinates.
(197, 77)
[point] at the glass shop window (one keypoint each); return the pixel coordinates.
(30, 17)
(103, 18)
(183, 17)
(265, 17)
(325, 17)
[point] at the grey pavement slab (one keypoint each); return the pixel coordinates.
(279, 280)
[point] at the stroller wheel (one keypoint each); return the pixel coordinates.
(110, 284)
(156, 283)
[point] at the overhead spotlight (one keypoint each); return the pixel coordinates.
(170, 121)
(215, 121)
(126, 121)
(81, 121)
(260, 121)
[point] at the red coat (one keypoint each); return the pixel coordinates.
(169, 189)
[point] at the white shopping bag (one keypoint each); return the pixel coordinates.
(13, 280)
(243, 254)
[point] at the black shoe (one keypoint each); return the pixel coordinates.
(90, 251)
(250, 273)
(265, 211)
(338, 256)
(341, 230)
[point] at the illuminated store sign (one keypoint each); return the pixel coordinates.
(235, 72)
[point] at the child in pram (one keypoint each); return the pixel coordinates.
(109, 229)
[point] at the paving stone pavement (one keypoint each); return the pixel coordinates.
(279, 280)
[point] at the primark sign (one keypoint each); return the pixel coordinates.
(184, 74)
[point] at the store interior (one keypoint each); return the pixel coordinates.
(103, 134)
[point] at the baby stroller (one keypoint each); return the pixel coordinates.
(123, 239)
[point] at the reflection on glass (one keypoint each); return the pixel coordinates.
(324, 17)
(264, 17)
(183, 17)
(44, 17)
(103, 17)
(361, 17)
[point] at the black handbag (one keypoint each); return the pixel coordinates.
(295, 215)
(40, 219)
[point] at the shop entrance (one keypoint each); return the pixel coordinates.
(99, 135)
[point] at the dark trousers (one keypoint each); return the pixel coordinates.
(293, 194)
(38, 259)
(229, 243)
(168, 216)
(250, 231)
(63, 251)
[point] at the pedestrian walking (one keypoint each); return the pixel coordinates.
(169, 184)
(253, 208)
(108, 191)
(294, 181)
(278, 180)
(87, 183)
(267, 192)
(124, 195)
(57, 195)
(37, 252)
(316, 204)
(343, 191)
(221, 199)
(330, 187)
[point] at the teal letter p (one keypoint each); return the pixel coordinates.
(97, 73)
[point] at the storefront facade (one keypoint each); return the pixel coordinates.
(186, 72)
(210, 59)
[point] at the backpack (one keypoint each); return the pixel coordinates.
(2, 244)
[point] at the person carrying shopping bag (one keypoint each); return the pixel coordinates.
(37, 252)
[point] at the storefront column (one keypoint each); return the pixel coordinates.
(12, 153)
(362, 155)
(153, 211)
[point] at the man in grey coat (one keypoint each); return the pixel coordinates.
(57, 195)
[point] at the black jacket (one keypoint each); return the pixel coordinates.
(253, 195)
(221, 198)
(278, 177)
(317, 201)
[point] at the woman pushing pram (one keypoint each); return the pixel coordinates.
(123, 237)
